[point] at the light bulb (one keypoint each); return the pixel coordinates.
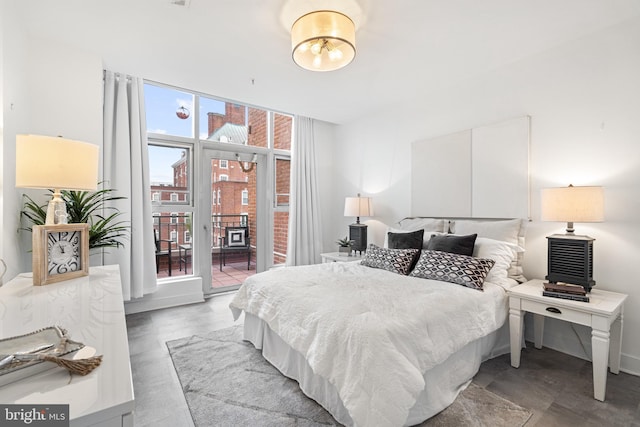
(317, 61)
(304, 47)
(316, 47)
(335, 54)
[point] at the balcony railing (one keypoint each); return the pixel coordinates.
(174, 234)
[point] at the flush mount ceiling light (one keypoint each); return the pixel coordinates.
(323, 40)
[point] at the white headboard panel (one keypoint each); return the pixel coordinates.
(480, 172)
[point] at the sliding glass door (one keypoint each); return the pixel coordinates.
(233, 213)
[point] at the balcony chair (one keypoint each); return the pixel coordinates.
(162, 253)
(235, 239)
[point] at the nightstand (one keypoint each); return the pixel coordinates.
(339, 257)
(603, 313)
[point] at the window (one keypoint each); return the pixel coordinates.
(169, 172)
(168, 111)
(175, 129)
(282, 127)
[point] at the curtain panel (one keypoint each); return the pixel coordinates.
(304, 239)
(126, 169)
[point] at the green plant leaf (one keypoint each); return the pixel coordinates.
(105, 228)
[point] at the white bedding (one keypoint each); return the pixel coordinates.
(370, 333)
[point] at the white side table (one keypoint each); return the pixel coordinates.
(603, 313)
(339, 257)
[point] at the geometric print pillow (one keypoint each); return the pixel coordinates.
(448, 267)
(394, 260)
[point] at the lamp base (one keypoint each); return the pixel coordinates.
(358, 233)
(570, 260)
(56, 210)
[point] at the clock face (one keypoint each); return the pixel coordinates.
(64, 252)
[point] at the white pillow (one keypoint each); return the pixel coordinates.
(427, 224)
(507, 230)
(510, 231)
(503, 253)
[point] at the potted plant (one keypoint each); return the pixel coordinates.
(105, 228)
(344, 246)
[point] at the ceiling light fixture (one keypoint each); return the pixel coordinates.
(323, 40)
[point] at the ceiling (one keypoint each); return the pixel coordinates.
(241, 49)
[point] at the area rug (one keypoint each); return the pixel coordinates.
(227, 382)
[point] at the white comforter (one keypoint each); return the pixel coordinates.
(371, 333)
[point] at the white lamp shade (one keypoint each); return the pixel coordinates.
(573, 204)
(323, 40)
(55, 163)
(358, 206)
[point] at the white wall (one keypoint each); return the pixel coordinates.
(15, 113)
(584, 100)
(48, 89)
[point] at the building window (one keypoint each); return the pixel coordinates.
(174, 235)
(219, 199)
(174, 217)
(214, 198)
(168, 166)
(187, 236)
(223, 177)
(245, 197)
(224, 164)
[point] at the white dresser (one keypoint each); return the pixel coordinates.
(92, 311)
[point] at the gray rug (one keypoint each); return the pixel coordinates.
(226, 382)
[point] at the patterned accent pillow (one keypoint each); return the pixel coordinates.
(454, 268)
(394, 260)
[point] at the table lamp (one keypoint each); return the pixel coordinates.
(56, 163)
(570, 256)
(358, 206)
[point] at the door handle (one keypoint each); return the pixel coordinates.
(554, 310)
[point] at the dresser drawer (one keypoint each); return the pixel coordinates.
(567, 314)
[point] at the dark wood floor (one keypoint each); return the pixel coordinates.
(557, 388)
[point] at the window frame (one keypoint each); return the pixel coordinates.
(195, 145)
(159, 140)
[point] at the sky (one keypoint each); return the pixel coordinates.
(161, 105)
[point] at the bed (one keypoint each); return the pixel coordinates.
(376, 346)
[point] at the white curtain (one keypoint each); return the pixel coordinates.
(305, 238)
(126, 169)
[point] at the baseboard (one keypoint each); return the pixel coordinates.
(179, 292)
